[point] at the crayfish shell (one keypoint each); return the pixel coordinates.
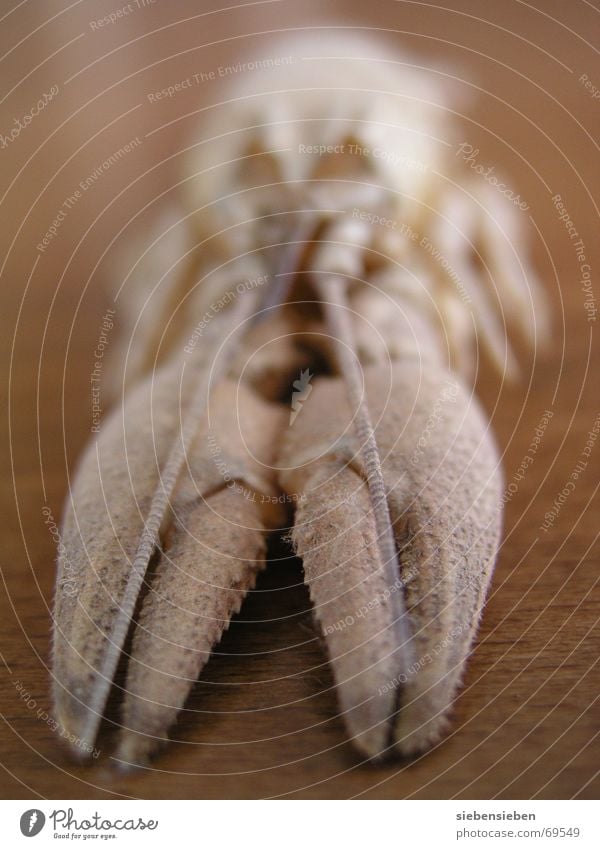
(443, 480)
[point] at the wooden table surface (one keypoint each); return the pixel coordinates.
(263, 721)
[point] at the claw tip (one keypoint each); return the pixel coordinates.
(134, 750)
(76, 725)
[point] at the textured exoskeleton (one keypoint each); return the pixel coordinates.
(304, 323)
(444, 500)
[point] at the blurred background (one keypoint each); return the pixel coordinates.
(527, 722)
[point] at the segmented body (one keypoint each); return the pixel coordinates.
(323, 228)
(355, 158)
